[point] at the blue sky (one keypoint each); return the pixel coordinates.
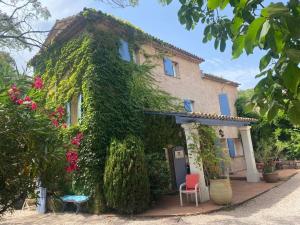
(162, 22)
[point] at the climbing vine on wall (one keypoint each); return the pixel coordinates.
(115, 93)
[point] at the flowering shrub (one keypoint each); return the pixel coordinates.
(56, 117)
(71, 155)
(38, 83)
(14, 93)
(30, 146)
(77, 139)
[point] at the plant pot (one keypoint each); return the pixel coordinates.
(220, 191)
(271, 177)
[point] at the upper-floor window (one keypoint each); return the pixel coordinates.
(74, 110)
(135, 56)
(171, 67)
(79, 108)
(224, 104)
(124, 50)
(188, 105)
(68, 113)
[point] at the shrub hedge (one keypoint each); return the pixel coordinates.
(126, 184)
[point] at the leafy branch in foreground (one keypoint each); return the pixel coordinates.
(16, 23)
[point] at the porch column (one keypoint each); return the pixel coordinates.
(189, 130)
(252, 173)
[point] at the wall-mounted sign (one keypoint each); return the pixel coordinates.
(179, 154)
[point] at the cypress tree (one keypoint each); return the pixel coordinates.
(126, 183)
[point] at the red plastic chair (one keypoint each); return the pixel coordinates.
(191, 186)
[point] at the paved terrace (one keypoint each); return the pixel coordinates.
(242, 191)
(279, 205)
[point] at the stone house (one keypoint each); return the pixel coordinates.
(207, 99)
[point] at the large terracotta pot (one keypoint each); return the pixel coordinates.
(271, 177)
(220, 191)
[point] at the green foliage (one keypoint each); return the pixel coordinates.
(29, 149)
(293, 149)
(208, 153)
(252, 24)
(268, 151)
(243, 104)
(115, 93)
(159, 175)
(126, 182)
(8, 72)
(280, 131)
(160, 132)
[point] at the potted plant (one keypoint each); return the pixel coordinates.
(268, 152)
(208, 152)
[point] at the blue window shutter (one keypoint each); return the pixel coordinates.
(220, 154)
(168, 65)
(230, 143)
(188, 105)
(79, 107)
(124, 51)
(68, 109)
(224, 104)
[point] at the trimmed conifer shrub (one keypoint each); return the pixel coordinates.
(126, 184)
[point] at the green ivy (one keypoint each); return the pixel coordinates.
(126, 182)
(115, 94)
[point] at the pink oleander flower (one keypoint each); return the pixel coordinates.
(19, 101)
(27, 98)
(71, 168)
(33, 106)
(72, 156)
(54, 122)
(38, 82)
(77, 139)
(61, 110)
(13, 98)
(14, 93)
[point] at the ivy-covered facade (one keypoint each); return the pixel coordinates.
(107, 74)
(93, 74)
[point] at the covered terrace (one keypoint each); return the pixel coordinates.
(188, 122)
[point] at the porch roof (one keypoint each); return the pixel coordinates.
(206, 118)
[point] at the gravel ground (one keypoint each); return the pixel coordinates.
(280, 205)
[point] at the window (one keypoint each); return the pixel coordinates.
(68, 109)
(135, 57)
(171, 68)
(124, 51)
(188, 105)
(230, 143)
(79, 108)
(224, 104)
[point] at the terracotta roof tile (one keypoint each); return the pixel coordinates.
(203, 116)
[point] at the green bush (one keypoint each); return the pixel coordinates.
(126, 184)
(29, 148)
(159, 175)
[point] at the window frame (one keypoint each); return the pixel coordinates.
(191, 102)
(124, 50)
(174, 65)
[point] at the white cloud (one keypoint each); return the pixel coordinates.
(237, 70)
